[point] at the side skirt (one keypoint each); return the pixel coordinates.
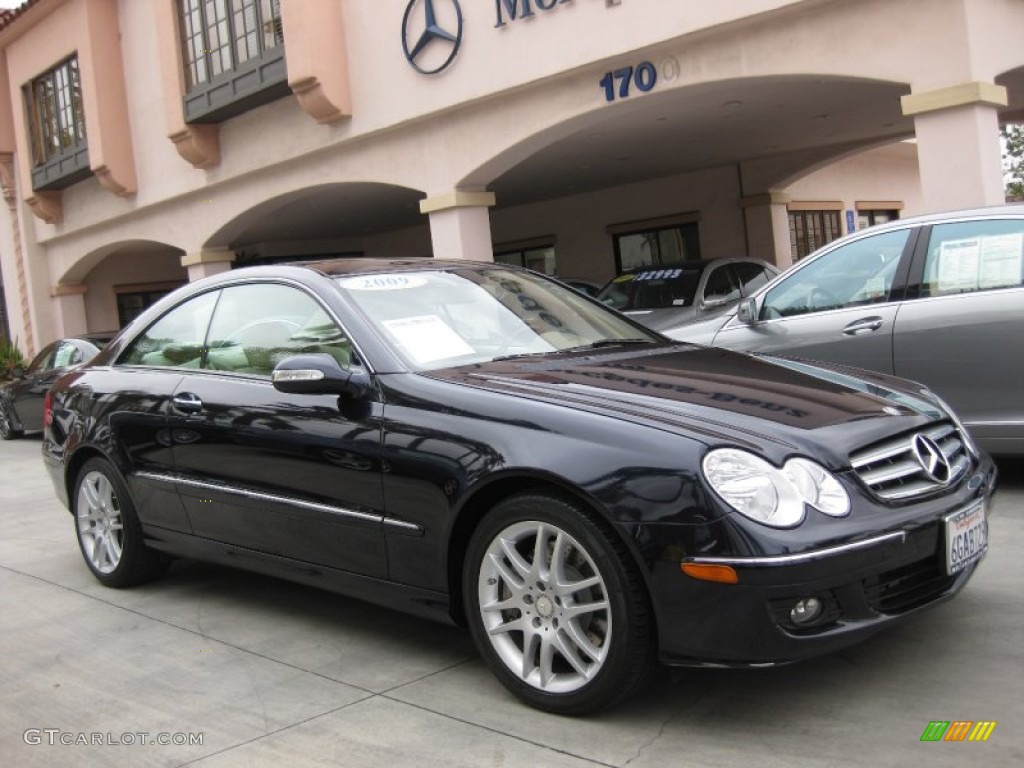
(424, 603)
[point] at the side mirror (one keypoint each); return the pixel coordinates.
(318, 373)
(18, 372)
(746, 312)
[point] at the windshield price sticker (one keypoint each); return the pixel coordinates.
(966, 538)
(382, 282)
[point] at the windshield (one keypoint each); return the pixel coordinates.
(439, 319)
(652, 289)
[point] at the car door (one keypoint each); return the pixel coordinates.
(840, 306)
(962, 334)
(26, 393)
(296, 476)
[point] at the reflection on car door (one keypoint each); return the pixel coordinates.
(962, 335)
(291, 475)
(840, 307)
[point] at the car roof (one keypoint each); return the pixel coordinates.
(1013, 209)
(697, 264)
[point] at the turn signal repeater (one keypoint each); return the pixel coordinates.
(723, 574)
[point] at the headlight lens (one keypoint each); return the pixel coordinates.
(774, 497)
(818, 487)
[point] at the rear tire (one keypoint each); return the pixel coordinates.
(7, 430)
(556, 607)
(109, 533)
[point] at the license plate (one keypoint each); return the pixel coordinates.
(966, 537)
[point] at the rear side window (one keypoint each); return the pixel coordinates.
(974, 256)
(177, 339)
(752, 276)
(722, 285)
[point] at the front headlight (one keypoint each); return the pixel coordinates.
(771, 496)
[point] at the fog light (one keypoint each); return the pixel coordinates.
(806, 611)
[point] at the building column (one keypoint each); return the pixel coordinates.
(207, 262)
(958, 145)
(460, 225)
(767, 221)
(70, 301)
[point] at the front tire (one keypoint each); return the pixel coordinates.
(109, 533)
(555, 606)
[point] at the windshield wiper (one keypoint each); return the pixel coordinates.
(581, 348)
(606, 343)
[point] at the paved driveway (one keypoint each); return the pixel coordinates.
(269, 673)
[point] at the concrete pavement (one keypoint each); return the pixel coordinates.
(265, 672)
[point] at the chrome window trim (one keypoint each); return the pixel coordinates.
(803, 557)
(271, 497)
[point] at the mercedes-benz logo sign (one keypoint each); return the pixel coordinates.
(430, 45)
(932, 460)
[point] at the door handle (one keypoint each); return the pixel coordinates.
(186, 402)
(862, 326)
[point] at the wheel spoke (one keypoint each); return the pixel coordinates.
(92, 496)
(568, 588)
(579, 638)
(540, 550)
(512, 579)
(522, 567)
(568, 652)
(530, 642)
(580, 609)
(517, 624)
(546, 664)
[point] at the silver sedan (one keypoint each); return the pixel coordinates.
(938, 299)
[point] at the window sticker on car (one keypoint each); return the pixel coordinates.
(1001, 259)
(623, 278)
(659, 274)
(980, 262)
(382, 282)
(427, 338)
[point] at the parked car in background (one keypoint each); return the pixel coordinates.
(938, 299)
(584, 285)
(21, 400)
(478, 443)
(669, 295)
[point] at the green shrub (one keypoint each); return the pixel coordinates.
(10, 358)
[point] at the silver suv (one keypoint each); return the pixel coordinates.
(938, 299)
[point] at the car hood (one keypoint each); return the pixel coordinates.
(773, 405)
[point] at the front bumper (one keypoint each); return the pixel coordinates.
(863, 585)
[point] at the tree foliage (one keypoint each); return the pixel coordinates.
(1013, 160)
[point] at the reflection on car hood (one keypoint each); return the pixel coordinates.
(663, 317)
(719, 395)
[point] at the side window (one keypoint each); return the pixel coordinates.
(43, 361)
(67, 354)
(176, 340)
(752, 276)
(255, 326)
(974, 256)
(722, 286)
(852, 275)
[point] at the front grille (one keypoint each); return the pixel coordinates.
(892, 471)
(908, 587)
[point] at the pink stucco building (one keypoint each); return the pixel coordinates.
(144, 143)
